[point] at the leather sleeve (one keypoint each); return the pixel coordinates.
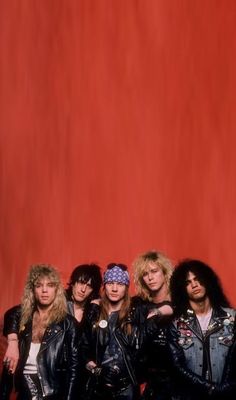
(72, 342)
(12, 320)
(6, 384)
(92, 312)
(228, 385)
(89, 337)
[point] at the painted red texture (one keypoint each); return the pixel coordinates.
(117, 122)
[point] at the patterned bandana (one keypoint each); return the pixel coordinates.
(116, 274)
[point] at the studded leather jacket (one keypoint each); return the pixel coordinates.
(57, 360)
(200, 359)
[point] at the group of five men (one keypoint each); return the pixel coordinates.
(176, 336)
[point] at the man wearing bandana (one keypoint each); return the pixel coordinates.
(202, 334)
(111, 341)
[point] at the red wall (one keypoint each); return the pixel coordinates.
(117, 123)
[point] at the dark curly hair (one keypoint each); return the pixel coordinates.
(206, 276)
(83, 273)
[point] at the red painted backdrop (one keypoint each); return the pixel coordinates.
(117, 123)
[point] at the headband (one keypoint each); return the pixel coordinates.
(116, 274)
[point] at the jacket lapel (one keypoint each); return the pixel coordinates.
(218, 320)
(50, 335)
(192, 324)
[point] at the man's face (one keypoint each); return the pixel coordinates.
(154, 277)
(81, 291)
(115, 291)
(45, 291)
(195, 290)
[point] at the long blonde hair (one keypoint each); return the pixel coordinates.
(141, 263)
(58, 310)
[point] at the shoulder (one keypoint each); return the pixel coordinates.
(229, 310)
(229, 316)
(226, 313)
(12, 320)
(13, 311)
(91, 313)
(138, 309)
(12, 314)
(137, 301)
(70, 307)
(69, 322)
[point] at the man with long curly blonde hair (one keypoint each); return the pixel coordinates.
(83, 287)
(48, 341)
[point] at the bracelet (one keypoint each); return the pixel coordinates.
(12, 340)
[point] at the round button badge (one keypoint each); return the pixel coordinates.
(103, 323)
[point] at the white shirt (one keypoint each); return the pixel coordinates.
(31, 363)
(204, 320)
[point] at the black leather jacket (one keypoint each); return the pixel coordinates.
(133, 345)
(94, 341)
(154, 365)
(57, 360)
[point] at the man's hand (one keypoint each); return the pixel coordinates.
(165, 310)
(90, 366)
(96, 301)
(11, 357)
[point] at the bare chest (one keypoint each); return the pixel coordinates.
(38, 328)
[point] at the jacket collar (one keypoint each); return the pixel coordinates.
(51, 333)
(219, 318)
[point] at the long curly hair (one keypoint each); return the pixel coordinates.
(58, 310)
(142, 262)
(206, 276)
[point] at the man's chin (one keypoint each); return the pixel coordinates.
(79, 300)
(199, 299)
(45, 305)
(115, 301)
(154, 289)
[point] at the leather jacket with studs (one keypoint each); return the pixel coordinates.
(200, 360)
(57, 359)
